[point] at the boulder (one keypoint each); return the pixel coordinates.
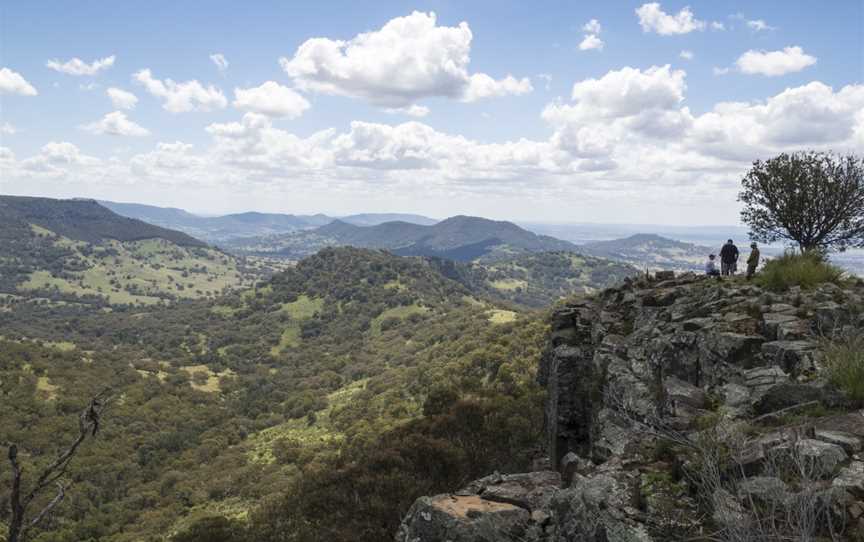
(664, 275)
(795, 357)
(762, 378)
(825, 457)
(734, 348)
(785, 395)
(600, 508)
(571, 465)
(684, 393)
(771, 322)
(849, 442)
(613, 436)
(851, 479)
(736, 396)
(829, 316)
(696, 324)
(463, 518)
(530, 491)
(762, 490)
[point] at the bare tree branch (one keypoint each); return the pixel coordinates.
(88, 426)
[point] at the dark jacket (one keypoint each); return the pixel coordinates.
(754, 257)
(729, 253)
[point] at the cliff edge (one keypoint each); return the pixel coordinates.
(681, 408)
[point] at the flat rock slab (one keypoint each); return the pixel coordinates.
(851, 424)
(469, 506)
(849, 442)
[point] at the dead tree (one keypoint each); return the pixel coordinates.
(20, 499)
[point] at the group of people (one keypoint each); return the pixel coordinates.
(729, 261)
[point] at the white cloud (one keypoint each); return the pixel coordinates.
(13, 83)
(717, 25)
(271, 99)
(686, 55)
(626, 137)
(811, 115)
(483, 86)
(720, 71)
(629, 90)
(182, 97)
(7, 129)
(774, 63)
(591, 42)
(168, 161)
(121, 98)
(759, 25)
(408, 59)
(592, 27)
(220, 61)
(412, 110)
(652, 18)
(76, 66)
(115, 123)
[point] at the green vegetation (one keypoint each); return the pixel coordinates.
(805, 270)
(814, 199)
(844, 361)
(71, 251)
(393, 376)
(535, 280)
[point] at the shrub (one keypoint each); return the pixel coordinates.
(844, 361)
(792, 269)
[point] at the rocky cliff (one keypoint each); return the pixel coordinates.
(680, 408)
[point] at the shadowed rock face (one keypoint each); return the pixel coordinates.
(674, 351)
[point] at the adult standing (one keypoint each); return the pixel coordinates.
(728, 258)
(752, 260)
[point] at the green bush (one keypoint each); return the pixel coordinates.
(844, 361)
(793, 269)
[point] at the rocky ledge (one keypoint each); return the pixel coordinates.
(680, 408)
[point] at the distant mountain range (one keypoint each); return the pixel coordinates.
(216, 229)
(461, 238)
(649, 250)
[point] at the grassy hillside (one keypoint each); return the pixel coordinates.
(352, 353)
(78, 251)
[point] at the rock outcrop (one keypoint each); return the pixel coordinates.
(640, 378)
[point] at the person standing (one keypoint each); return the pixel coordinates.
(728, 258)
(752, 260)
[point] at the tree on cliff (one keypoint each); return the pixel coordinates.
(814, 199)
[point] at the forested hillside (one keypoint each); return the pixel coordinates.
(78, 251)
(356, 369)
(536, 280)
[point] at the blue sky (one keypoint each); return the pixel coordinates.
(627, 132)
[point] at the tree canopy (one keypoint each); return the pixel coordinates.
(814, 199)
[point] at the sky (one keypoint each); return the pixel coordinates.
(606, 112)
